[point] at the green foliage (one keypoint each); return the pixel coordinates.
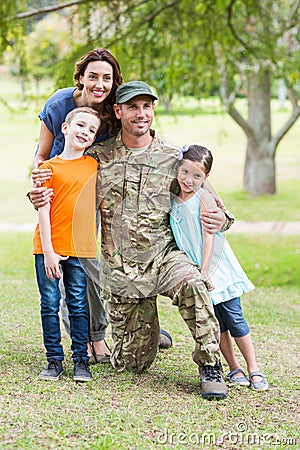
(177, 55)
(10, 30)
(173, 44)
(64, 70)
(46, 45)
(39, 55)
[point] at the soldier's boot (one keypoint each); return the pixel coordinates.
(212, 383)
(165, 340)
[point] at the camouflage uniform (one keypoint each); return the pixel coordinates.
(139, 257)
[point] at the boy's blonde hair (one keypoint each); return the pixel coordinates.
(84, 109)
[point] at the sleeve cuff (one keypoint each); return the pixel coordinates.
(229, 220)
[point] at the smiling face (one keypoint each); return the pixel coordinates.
(80, 133)
(97, 82)
(191, 175)
(136, 115)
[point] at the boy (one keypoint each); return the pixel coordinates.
(65, 237)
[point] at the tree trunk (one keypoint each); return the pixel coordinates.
(259, 172)
(259, 169)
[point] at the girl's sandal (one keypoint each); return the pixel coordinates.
(241, 381)
(261, 385)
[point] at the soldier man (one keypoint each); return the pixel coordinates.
(139, 257)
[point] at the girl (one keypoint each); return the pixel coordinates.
(222, 273)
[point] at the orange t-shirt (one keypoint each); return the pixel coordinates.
(73, 206)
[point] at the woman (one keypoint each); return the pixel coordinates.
(97, 76)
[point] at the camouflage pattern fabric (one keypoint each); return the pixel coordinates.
(135, 332)
(135, 326)
(139, 256)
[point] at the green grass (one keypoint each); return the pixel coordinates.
(161, 409)
(268, 260)
(282, 207)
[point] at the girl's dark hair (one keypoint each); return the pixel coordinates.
(101, 54)
(199, 154)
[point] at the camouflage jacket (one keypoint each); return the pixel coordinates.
(135, 201)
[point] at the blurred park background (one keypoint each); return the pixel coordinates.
(227, 74)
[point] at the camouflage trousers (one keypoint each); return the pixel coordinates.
(135, 324)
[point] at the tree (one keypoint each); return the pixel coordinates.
(265, 39)
(190, 46)
(47, 44)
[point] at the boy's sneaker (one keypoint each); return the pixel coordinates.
(52, 371)
(212, 383)
(82, 371)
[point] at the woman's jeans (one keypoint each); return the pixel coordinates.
(94, 303)
(75, 286)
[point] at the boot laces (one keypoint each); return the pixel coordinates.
(212, 373)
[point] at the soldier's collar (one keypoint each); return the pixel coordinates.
(119, 142)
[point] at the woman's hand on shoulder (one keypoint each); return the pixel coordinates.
(40, 175)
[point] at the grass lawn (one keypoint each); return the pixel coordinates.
(161, 409)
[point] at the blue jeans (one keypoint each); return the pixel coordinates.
(75, 285)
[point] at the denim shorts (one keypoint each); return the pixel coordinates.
(230, 317)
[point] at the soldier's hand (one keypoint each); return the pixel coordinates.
(213, 220)
(40, 196)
